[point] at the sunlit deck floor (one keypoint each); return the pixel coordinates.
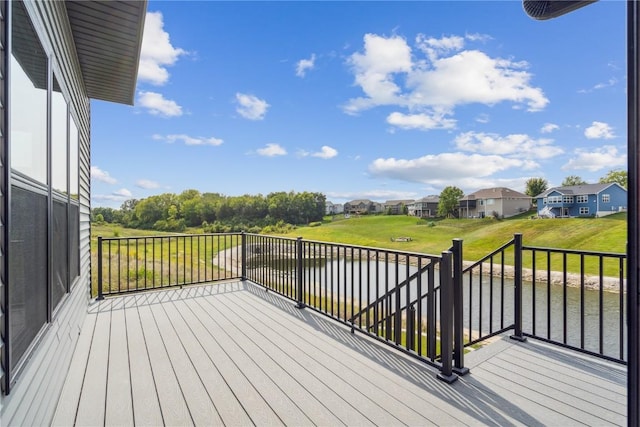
(234, 354)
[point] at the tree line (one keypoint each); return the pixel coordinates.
(216, 212)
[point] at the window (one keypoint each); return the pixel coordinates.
(44, 255)
(490, 201)
(582, 199)
(28, 98)
(554, 199)
(605, 198)
(584, 210)
(567, 199)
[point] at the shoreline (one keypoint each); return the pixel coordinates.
(609, 284)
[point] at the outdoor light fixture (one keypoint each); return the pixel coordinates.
(542, 10)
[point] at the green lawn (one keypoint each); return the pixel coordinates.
(481, 236)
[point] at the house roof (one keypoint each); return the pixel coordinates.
(108, 39)
(429, 199)
(398, 202)
(578, 190)
(496, 193)
(360, 201)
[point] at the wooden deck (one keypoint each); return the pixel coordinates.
(234, 354)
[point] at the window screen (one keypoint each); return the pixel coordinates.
(27, 269)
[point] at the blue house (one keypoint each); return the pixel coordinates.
(582, 200)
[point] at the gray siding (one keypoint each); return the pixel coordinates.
(3, 191)
(36, 390)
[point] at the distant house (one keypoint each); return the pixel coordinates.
(500, 201)
(396, 207)
(362, 206)
(333, 208)
(427, 207)
(583, 200)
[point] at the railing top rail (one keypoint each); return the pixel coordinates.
(575, 251)
(290, 239)
(486, 257)
(165, 236)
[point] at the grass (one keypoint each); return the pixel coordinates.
(480, 236)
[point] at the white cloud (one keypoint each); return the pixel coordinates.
(599, 130)
(157, 52)
(272, 150)
(123, 192)
(446, 167)
(251, 107)
(326, 152)
(304, 65)
(433, 47)
(156, 104)
(389, 73)
(483, 118)
(103, 176)
(606, 157)
(421, 121)
(374, 71)
(514, 145)
(549, 127)
(376, 194)
(147, 184)
(189, 140)
(117, 196)
(611, 82)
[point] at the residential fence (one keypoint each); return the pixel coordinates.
(428, 306)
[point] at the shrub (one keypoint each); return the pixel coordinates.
(315, 224)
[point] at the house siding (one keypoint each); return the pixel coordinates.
(35, 391)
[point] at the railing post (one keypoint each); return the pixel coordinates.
(299, 274)
(100, 295)
(243, 274)
(411, 333)
(517, 292)
(458, 310)
(446, 319)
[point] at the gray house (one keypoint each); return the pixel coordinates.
(500, 201)
(396, 207)
(582, 200)
(427, 207)
(56, 56)
(362, 206)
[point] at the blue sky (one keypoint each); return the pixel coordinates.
(376, 100)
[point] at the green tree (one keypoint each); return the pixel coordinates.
(573, 180)
(618, 176)
(449, 199)
(536, 186)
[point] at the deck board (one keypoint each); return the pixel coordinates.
(143, 388)
(119, 408)
(91, 407)
(234, 354)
